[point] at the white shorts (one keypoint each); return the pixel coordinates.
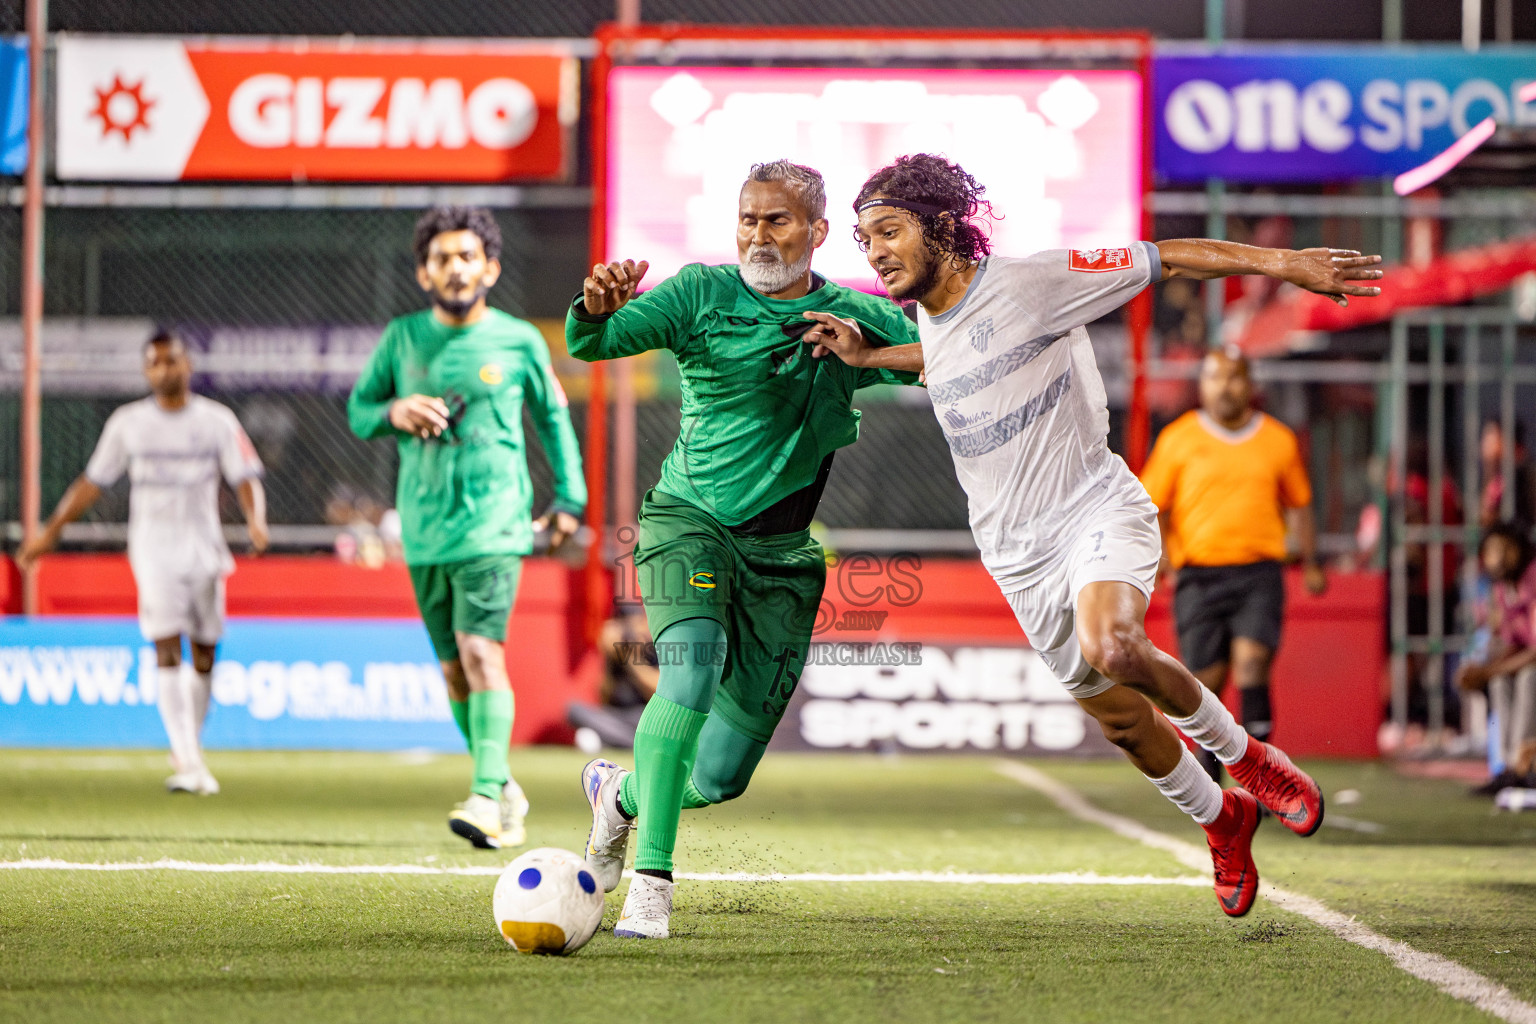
(1116, 545)
(173, 604)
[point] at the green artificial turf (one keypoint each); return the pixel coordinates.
(163, 945)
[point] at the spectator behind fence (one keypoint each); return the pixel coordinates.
(630, 673)
(1509, 672)
(1491, 450)
(1417, 492)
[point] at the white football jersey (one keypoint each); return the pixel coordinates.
(174, 459)
(1015, 387)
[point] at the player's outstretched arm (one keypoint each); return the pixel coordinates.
(844, 339)
(82, 494)
(253, 502)
(1331, 272)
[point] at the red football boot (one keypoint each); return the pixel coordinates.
(1288, 792)
(1231, 840)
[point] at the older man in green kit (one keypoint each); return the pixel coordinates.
(450, 383)
(730, 576)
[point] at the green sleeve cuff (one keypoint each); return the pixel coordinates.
(568, 507)
(579, 312)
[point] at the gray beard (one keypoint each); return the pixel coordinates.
(775, 276)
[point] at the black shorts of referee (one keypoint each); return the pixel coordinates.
(1214, 603)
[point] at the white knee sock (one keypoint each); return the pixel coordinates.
(175, 702)
(1213, 728)
(1191, 790)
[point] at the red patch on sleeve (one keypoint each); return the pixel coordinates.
(1099, 261)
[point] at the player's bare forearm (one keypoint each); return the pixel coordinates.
(1206, 258)
(894, 357)
(82, 494)
(845, 339)
(1331, 272)
(253, 503)
(1303, 524)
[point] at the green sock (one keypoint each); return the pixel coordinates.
(692, 798)
(666, 744)
(460, 710)
(629, 795)
(490, 732)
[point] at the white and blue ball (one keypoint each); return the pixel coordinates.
(547, 901)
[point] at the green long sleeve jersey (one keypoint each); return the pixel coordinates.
(760, 414)
(467, 493)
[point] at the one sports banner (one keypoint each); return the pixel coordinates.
(887, 696)
(157, 109)
(279, 684)
(1326, 113)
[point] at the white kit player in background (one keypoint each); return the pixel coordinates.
(174, 446)
(1063, 526)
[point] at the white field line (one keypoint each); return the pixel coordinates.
(275, 868)
(1370, 828)
(1445, 974)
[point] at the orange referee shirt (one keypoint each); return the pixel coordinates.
(1225, 491)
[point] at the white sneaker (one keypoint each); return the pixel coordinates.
(478, 819)
(609, 838)
(184, 782)
(647, 909)
(514, 810)
(207, 785)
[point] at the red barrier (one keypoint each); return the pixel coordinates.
(1326, 677)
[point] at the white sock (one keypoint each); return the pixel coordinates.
(202, 689)
(175, 703)
(1213, 728)
(1191, 790)
(202, 693)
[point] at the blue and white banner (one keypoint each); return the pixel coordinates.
(1325, 113)
(287, 684)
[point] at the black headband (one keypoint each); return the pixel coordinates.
(900, 204)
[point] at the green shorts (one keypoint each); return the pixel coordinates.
(472, 596)
(765, 592)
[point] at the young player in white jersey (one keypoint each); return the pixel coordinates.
(1063, 525)
(174, 446)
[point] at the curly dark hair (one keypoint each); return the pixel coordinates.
(934, 181)
(457, 218)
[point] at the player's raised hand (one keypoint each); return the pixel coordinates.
(419, 415)
(612, 285)
(1332, 272)
(834, 335)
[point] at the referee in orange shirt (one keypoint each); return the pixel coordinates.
(1228, 481)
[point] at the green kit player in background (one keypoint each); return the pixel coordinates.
(730, 576)
(450, 383)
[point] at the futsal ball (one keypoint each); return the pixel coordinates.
(547, 901)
